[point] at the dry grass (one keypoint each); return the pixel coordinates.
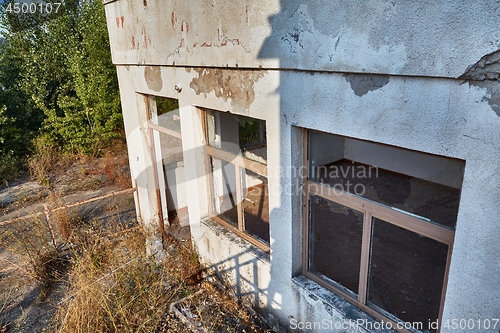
(112, 285)
(116, 288)
(82, 172)
(40, 164)
(34, 241)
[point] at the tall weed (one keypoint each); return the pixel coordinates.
(45, 156)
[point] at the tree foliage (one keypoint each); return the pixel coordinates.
(57, 79)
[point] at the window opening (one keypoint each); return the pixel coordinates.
(164, 124)
(380, 225)
(236, 153)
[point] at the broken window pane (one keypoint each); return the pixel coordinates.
(252, 132)
(167, 114)
(256, 205)
(224, 191)
(237, 135)
(165, 104)
(171, 149)
(406, 273)
(335, 241)
(421, 184)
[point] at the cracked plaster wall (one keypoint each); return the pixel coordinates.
(409, 113)
(440, 38)
(412, 74)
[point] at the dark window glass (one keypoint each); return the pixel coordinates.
(252, 132)
(438, 203)
(335, 242)
(406, 273)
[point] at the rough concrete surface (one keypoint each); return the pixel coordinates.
(387, 72)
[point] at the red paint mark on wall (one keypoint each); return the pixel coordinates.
(184, 26)
(122, 19)
(224, 41)
(173, 20)
(133, 42)
(246, 10)
(117, 22)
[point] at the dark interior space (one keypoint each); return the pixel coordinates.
(335, 246)
(406, 273)
(406, 270)
(256, 211)
(436, 202)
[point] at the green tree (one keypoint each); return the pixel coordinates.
(63, 71)
(94, 74)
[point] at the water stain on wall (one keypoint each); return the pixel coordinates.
(152, 74)
(236, 85)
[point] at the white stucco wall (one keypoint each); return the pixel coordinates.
(418, 104)
(418, 121)
(439, 38)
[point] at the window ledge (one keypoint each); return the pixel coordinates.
(246, 246)
(331, 301)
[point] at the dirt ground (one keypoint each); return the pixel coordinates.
(26, 304)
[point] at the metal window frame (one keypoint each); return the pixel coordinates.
(370, 210)
(238, 162)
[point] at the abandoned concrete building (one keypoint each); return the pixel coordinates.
(337, 161)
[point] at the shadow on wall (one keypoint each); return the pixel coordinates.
(240, 275)
(240, 268)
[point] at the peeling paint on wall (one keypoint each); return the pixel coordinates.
(152, 74)
(361, 84)
(228, 84)
(487, 68)
(486, 74)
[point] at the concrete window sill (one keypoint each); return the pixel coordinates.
(334, 303)
(246, 247)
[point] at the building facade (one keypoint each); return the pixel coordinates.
(338, 161)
